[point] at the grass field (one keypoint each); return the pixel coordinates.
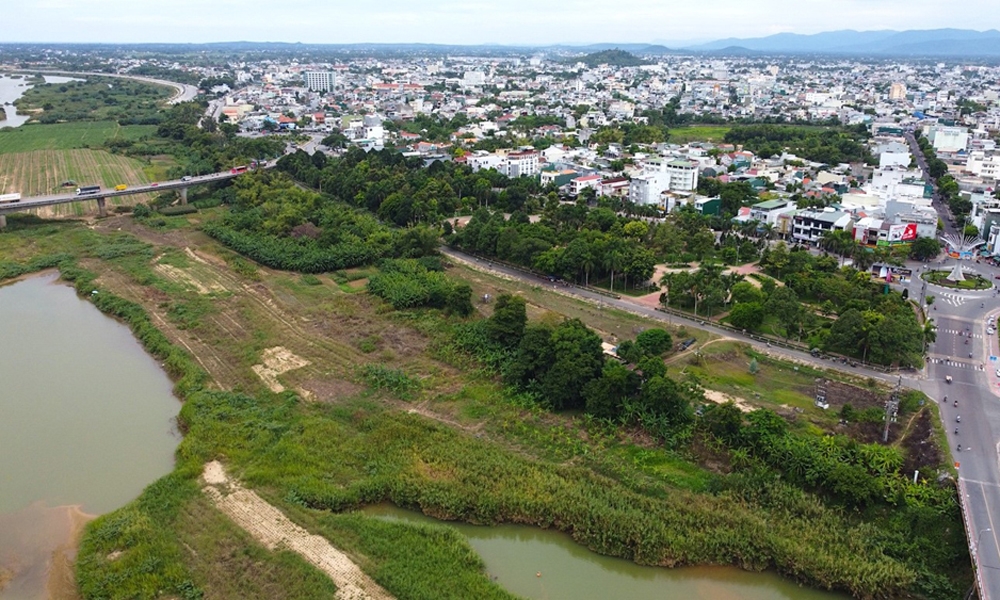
(68, 136)
(43, 171)
(698, 133)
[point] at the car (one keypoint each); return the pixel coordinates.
(186, 178)
(990, 331)
(998, 372)
(154, 184)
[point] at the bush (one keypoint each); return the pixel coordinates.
(182, 209)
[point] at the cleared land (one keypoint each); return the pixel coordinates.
(67, 136)
(42, 172)
(698, 133)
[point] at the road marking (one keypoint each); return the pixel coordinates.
(993, 529)
(982, 483)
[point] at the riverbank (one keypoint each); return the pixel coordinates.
(38, 550)
(456, 446)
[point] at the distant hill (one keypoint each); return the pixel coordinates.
(614, 57)
(931, 42)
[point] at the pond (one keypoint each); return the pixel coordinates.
(545, 564)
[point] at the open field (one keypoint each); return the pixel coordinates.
(698, 133)
(66, 136)
(41, 172)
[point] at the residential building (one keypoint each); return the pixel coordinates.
(522, 163)
(808, 226)
(577, 185)
(320, 81)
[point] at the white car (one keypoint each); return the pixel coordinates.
(990, 331)
(998, 372)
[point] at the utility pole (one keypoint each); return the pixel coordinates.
(891, 408)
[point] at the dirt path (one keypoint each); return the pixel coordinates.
(273, 529)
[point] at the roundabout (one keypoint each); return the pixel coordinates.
(943, 278)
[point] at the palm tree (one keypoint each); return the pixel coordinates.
(930, 332)
(613, 262)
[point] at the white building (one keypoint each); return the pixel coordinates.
(523, 163)
(578, 184)
(660, 176)
(320, 81)
(646, 188)
(484, 160)
(947, 139)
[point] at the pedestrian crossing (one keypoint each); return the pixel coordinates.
(952, 299)
(960, 333)
(957, 364)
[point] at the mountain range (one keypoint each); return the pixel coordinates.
(929, 42)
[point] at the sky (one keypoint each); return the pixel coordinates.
(508, 22)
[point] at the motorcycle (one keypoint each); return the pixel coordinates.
(956, 431)
(960, 447)
(955, 404)
(958, 419)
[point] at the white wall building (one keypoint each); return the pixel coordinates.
(320, 81)
(523, 163)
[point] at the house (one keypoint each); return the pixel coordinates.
(768, 211)
(584, 182)
(615, 186)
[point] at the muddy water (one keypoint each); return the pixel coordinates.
(86, 421)
(544, 564)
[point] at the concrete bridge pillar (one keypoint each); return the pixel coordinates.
(101, 209)
(3, 221)
(184, 195)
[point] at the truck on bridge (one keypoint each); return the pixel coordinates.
(10, 198)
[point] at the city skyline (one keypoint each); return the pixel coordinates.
(518, 22)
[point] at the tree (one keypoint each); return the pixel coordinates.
(604, 396)
(507, 324)
(847, 334)
(745, 291)
(747, 315)
(534, 357)
(783, 303)
(665, 397)
(924, 248)
(654, 341)
(459, 300)
(579, 358)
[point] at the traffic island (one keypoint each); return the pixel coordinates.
(968, 282)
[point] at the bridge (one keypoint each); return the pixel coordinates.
(101, 196)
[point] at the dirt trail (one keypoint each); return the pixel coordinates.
(273, 529)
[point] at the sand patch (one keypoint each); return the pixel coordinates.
(274, 530)
(329, 390)
(181, 276)
(37, 551)
(276, 361)
(721, 398)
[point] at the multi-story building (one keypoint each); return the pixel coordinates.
(577, 185)
(522, 163)
(320, 81)
(897, 91)
(808, 226)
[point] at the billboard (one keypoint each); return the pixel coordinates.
(902, 233)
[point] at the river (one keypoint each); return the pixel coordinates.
(543, 564)
(87, 422)
(11, 89)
